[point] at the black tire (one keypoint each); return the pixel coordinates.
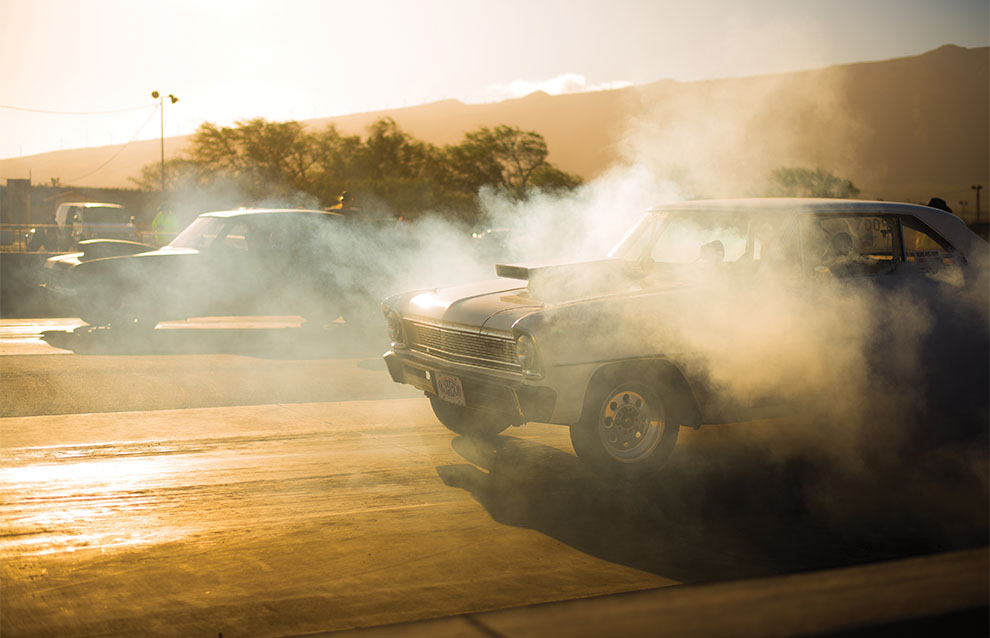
(625, 427)
(317, 317)
(36, 240)
(133, 324)
(360, 310)
(469, 421)
(94, 317)
(123, 315)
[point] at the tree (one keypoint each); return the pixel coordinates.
(804, 182)
(398, 170)
(180, 173)
(265, 157)
(217, 149)
(507, 158)
(390, 152)
(390, 171)
(335, 162)
(276, 152)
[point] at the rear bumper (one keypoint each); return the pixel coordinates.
(515, 398)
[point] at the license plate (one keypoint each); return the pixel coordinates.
(449, 388)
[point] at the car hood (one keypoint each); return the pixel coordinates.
(113, 249)
(492, 305)
(498, 304)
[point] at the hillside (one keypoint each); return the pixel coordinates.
(904, 129)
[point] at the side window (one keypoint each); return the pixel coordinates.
(235, 238)
(850, 246)
(776, 246)
(924, 248)
(267, 238)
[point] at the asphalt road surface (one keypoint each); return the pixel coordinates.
(263, 478)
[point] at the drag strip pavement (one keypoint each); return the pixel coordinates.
(269, 520)
(213, 477)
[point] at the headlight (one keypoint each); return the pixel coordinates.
(526, 354)
(394, 325)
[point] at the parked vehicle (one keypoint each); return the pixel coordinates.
(688, 307)
(79, 221)
(495, 244)
(238, 262)
(39, 237)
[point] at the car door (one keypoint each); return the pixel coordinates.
(233, 281)
(850, 247)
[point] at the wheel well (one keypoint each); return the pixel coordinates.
(661, 374)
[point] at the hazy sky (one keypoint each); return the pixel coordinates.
(302, 59)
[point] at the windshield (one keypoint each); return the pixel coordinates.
(746, 242)
(698, 236)
(104, 215)
(199, 234)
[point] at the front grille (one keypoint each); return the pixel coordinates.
(486, 351)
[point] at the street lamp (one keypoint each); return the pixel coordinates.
(161, 106)
(978, 188)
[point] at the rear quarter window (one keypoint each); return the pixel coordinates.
(924, 248)
(853, 245)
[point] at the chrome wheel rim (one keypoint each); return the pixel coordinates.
(630, 425)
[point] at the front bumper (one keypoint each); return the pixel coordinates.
(57, 284)
(520, 401)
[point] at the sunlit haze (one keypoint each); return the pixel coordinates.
(303, 59)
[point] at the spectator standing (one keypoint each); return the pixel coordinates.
(938, 202)
(345, 205)
(164, 226)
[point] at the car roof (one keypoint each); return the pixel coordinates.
(268, 211)
(944, 223)
(92, 204)
(782, 205)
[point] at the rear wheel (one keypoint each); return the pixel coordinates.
(319, 316)
(468, 421)
(133, 323)
(123, 314)
(362, 311)
(625, 427)
(94, 317)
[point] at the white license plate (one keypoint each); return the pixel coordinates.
(449, 388)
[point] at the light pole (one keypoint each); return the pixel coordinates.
(978, 188)
(161, 106)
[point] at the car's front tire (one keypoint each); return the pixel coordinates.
(468, 421)
(626, 427)
(121, 315)
(319, 316)
(133, 323)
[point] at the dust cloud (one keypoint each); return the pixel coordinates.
(891, 378)
(892, 383)
(722, 138)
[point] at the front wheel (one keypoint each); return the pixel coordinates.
(317, 316)
(468, 421)
(123, 314)
(625, 428)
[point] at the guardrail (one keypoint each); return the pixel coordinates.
(18, 238)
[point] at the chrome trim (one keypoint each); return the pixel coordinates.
(536, 373)
(459, 327)
(482, 349)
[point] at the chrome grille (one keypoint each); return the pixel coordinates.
(487, 351)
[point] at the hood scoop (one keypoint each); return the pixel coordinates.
(103, 248)
(575, 280)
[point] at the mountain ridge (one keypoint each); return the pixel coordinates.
(905, 128)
